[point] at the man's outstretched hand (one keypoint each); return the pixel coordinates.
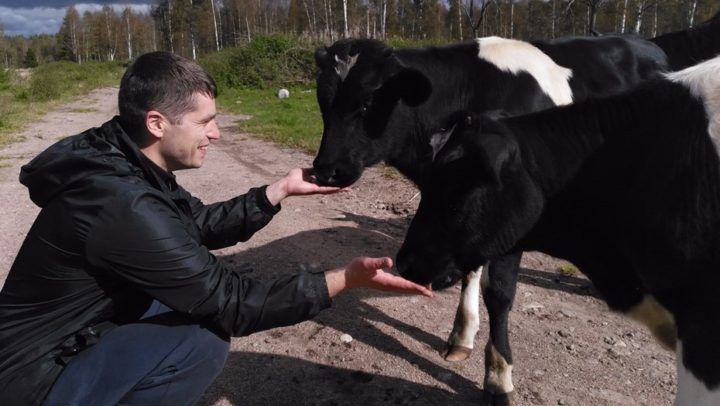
(367, 272)
(298, 182)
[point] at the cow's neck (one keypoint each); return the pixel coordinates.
(454, 89)
(556, 143)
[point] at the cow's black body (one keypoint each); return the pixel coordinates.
(388, 103)
(627, 188)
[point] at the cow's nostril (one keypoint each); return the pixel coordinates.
(324, 176)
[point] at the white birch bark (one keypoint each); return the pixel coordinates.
(217, 41)
(345, 20)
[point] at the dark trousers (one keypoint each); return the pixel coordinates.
(164, 359)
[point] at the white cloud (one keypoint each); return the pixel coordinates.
(47, 20)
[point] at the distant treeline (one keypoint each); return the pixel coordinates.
(199, 27)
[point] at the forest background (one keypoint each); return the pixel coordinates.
(194, 28)
(251, 46)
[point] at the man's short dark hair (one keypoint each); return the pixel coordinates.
(164, 82)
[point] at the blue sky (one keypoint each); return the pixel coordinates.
(28, 17)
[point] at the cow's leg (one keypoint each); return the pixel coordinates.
(467, 319)
(695, 362)
(498, 287)
(658, 319)
(697, 350)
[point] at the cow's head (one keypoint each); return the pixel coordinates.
(360, 84)
(477, 202)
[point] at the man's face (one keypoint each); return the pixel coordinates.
(185, 144)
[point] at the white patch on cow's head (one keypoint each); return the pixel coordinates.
(343, 66)
(703, 80)
(515, 56)
(690, 390)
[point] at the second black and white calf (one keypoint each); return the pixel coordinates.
(627, 188)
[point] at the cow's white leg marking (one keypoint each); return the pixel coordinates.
(514, 56)
(690, 390)
(467, 318)
(498, 378)
(658, 319)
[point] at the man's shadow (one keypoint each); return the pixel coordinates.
(247, 372)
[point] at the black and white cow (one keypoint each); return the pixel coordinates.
(688, 47)
(380, 104)
(626, 187)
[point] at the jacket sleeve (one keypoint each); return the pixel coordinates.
(226, 223)
(142, 240)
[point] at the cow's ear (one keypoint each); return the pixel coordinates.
(412, 86)
(447, 143)
(322, 58)
(439, 139)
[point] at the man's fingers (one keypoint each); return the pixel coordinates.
(409, 287)
(377, 263)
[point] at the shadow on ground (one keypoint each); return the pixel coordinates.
(251, 378)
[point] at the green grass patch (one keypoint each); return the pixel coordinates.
(83, 110)
(568, 269)
(24, 99)
(293, 122)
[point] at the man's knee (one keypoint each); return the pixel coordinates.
(212, 349)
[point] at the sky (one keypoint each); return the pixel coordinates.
(30, 17)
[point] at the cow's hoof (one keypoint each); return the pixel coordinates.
(498, 399)
(455, 353)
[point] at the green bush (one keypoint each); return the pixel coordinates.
(56, 80)
(22, 98)
(4, 79)
(266, 61)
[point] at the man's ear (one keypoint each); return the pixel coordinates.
(155, 124)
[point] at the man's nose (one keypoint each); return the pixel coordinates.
(214, 132)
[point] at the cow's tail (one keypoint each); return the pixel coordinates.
(689, 47)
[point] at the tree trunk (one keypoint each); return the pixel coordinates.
(307, 15)
(193, 46)
(553, 18)
(345, 20)
(624, 17)
(383, 21)
(217, 41)
(639, 17)
(655, 20)
(247, 25)
(171, 35)
(691, 12)
(512, 18)
(129, 35)
(367, 22)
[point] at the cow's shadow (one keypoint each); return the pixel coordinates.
(246, 372)
(269, 379)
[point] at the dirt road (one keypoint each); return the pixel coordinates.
(568, 349)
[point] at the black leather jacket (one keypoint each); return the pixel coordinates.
(115, 232)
